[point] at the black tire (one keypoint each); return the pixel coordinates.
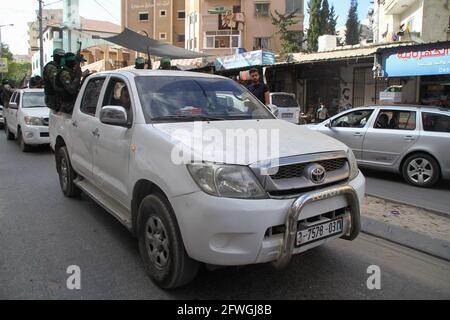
(421, 170)
(23, 146)
(66, 174)
(9, 134)
(163, 253)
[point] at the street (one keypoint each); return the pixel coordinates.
(391, 186)
(42, 233)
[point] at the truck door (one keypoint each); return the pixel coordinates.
(13, 119)
(113, 150)
(84, 122)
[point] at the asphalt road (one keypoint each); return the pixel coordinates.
(42, 233)
(392, 186)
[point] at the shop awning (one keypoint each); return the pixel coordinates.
(137, 42)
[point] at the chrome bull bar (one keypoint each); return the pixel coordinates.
(295, 210)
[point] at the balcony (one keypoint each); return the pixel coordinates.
(392, 7)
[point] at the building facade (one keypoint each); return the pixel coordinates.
(52, 39)
(247, 25)
(416, 20)
(50, 17)
(157, 19)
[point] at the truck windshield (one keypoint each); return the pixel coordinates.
(172, 99)
(33, 100)
(284, 101)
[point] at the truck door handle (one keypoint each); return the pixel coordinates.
(74, 124)
(95, 133)
(409, 138)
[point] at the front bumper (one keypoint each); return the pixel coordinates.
(35, 135)
(230, 232)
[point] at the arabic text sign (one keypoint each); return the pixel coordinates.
(247, 59)
(3, 65)
(417, 63)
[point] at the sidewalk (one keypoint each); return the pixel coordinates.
(410, 226)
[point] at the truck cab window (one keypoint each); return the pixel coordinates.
(91, 95)
(118, 94)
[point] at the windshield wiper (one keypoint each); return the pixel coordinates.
(188, 118)
(30, 107)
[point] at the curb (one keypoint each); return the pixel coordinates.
(436, 212)
(411, 239)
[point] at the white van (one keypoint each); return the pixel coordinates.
(285, 106)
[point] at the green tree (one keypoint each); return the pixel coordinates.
(289, 39)
(17, 72)
(353, 30)
(324, 18)
(6, 53)
(315, 24)
(332, 21)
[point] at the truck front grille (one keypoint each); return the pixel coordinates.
(297, 170)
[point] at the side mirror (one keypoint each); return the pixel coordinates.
(114, 115)
(328, 124)
(13, 105)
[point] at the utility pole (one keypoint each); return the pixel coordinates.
(41, 39)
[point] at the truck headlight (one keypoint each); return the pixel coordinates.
(33, 121)
(354, 170)
(227, 181)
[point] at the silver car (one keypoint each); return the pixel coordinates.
(411, 140)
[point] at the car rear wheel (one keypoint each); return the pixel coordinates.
(23, 146)
(66, 174)
(421, 170)
(161, 246)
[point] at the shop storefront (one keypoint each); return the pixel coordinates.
(429, 67)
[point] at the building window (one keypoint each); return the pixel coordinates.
(162, 35)
(261, 43)
(162, 13)
(143, 16)
(181, 38)
(221, 39)
(181, 15)
(262, 9)
(293, 5)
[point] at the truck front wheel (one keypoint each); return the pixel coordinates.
(66, 174)
(161, 246)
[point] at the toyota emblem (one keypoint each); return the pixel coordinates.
(317, 174)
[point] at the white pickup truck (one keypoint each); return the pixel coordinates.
(158, 150)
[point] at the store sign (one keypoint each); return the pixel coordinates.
(417, 63)
(3, 65)
(247, 59)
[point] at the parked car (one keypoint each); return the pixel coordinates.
(2, 120)
(119, 145)
(285, 106)
(26, 118)
(411, 140)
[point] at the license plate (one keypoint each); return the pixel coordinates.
(320, 232)
(287, 115)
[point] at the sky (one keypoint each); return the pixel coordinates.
(20, 12)
(341, 7)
